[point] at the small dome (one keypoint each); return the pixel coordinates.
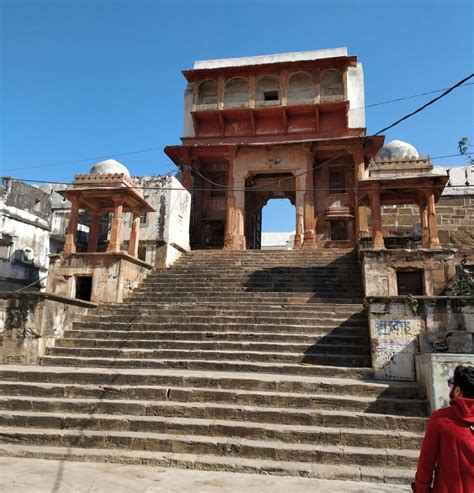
(397, 150)
(109, 167)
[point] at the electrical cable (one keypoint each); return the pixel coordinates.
(151, 149)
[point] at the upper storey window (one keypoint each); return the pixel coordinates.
(268, 90)
(207, 92)
(300, 88)
(236, 92)
(332, 86)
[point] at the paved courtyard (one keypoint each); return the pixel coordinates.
(52, 476)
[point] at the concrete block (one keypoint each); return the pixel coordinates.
(460, 342)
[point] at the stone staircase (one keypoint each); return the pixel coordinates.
(241, 361)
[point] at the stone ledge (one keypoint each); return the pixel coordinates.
(46, 296)
(105, 255)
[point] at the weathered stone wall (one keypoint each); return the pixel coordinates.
(455, 216)
(31, 321)
(379, 270)
(455, 212)
(434, 370)
(401, 327)
(25, 225)
(114, 275)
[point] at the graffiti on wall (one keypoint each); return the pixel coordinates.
(394, 344)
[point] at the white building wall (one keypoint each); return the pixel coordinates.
(25, 226)
(165, 232)
(356, 97)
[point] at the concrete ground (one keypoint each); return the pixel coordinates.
(53, 476)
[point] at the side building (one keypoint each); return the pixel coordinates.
(25, 230)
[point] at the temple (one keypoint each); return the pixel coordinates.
(288, 126)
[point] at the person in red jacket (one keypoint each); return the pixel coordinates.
(447, 451)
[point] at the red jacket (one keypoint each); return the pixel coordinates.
(448, 450)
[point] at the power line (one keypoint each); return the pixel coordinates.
(421, 108)
(396, 100)
(152, 149)
(252, 189)
(409, 115)
(75, 161)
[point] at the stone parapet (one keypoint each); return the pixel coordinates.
(113, 275)
(30, 322)
(380, 268)
(434, 370)
(401, 327)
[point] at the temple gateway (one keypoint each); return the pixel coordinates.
(293, 126)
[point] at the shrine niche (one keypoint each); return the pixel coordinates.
(101, 277)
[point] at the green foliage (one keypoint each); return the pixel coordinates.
(414, 304)
(464, 285)
(463, 147)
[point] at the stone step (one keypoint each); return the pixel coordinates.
(185, 368)
(241, 278)
(323, 307)
(367, 401)
(242, 320)
(154, 347)
(363, 474)
(134, 324)
(317, 356)
(348, 382)
(280, 286)
(251, 288)
(155, 340)
(149, 315)
(217, 365)
(242, 297)
(224, 446)
(313, 311)
(285, 433)
(70, 398)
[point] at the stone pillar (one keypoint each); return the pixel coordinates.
(299, 206)
(239, 225)
(94, 231)
(360, 211)
(134, 233)
(284, 87)
(234, 228)
(70, 243)
(230, 206)
(432, 224)
(114, 242)
(377, 236)
(309, 240)
(316, 74)
(425, 232)
(220, 92)
(252, 88)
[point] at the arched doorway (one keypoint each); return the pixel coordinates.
(278, 191)
(278, 224)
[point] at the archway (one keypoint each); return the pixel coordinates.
(278, 191)
(278, 224)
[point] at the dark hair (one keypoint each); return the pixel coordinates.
(464, 379)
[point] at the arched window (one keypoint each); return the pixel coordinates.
(207, 92)
(236, 91)
(268, 88)
(332, 86)
(300, 87)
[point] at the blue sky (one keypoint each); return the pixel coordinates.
(87, 79)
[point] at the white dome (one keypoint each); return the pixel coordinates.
(397, 150)
(109, 167)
